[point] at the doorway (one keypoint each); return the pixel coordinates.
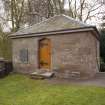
(45, 53)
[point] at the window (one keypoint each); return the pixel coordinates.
(24, 55)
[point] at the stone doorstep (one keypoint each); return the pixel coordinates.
(75, 74)
(41, 75)
(68, 74)
(43, 70)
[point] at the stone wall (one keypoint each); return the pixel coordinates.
(76, 52)
(32, 46)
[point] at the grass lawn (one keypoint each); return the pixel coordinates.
(20, 90)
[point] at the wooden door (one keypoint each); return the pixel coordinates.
(45, 54)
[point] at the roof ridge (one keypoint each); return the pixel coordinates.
(41, 22)
(54, 17)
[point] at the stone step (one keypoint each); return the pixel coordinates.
(100, 75)
(68, 75)
(41, 75)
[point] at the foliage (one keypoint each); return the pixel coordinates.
(103, 24)
(102, 45)
(102, 66)
(5, 46)
(20, 90)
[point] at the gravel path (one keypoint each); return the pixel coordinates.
(100, 82)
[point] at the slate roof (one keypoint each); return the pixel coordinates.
(58, 22)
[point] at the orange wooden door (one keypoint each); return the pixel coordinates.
(45, 54)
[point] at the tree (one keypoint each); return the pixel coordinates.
(37, 9)
(79, 9)
(102, 45)
(5, 45)
(85, 9)
(14, 10)
(103, 23)
(102, 40)
(21, 12)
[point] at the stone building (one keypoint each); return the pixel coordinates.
(59, 44)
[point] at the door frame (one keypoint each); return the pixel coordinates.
(39, 53)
